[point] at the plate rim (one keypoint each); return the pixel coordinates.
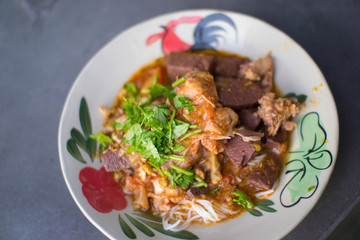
(187, 11)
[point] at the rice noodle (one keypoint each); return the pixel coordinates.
(256, 160)
(264, 194)
(274, 150)
(185, 212)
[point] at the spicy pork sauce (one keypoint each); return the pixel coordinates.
(253, 177)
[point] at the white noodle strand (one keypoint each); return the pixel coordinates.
(185, 212)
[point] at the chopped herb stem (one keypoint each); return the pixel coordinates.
(177, 177)
(201, 184)
(177, 157)
(199, 179)
(193, 126)
(145, 90)
(178, 82)
(190, 134)
(170, 127)
(180, 170)
(168, 173)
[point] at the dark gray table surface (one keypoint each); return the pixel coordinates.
(45, 44)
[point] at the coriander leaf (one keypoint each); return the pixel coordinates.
(180, 177)
(151, 150)
(122, 126)
(132, 110)
(243, 200)
(133, 132)
(148, 120)
(102, 139)
(183, 102)
(301, 97)
(161, 90)
(131, 89)
(157, 90)
(183, 180)
(171, 94)
(179, 129)
(161, 113)
(178, 148)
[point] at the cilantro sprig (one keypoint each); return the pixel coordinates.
(184, 177)
(153, 130)
(183, 102)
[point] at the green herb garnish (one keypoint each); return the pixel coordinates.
(178, 148)
(213, 192)
(156, 90)
(180, 179)
(131, 89)
(152, 130)
(183, 102)
(122, 126)
(184, 177)
(311, 188)
(190, 134)
(176, 157)
(102, 139)
(178, 82)
(180, 170)
(243, 200)
(301, 98)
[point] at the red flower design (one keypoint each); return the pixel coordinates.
(101, 190)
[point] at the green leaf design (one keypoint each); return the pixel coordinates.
(266, 208)
(91, 148)
(148, 216)
(159, 227)
(140, 226)
(255, 212)
(85, 118)
(265, 202)
(78, 138)
(126, 228)
(74, 150)
(307, 162)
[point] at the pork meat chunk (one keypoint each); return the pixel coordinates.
(178, 64)
(228, 66)
(264, 175)
(215, 121)
(249, 119)
(260, 70)
(114, 160)
(239, 152)
(276, 113)
(239, 93)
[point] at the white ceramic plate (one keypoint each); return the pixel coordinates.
(314, 144)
